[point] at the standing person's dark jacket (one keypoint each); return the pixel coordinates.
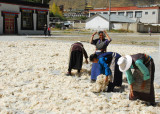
(45, 30)
(79, 47)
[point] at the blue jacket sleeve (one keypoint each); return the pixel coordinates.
(143, 69)
(104, 66)
(129, 76)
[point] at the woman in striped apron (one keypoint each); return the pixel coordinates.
(142, 79)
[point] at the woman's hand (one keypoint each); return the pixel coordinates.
(92, 37)
(86, 61)
(107, 35)
(105, 32)
(131, 92)
(94, 33)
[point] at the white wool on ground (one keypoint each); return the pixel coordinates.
(29, 85)
(100, 84)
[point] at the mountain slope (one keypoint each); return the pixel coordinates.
(80, 4)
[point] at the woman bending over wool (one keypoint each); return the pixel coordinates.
(142, 80)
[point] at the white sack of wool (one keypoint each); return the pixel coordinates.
(100, 84)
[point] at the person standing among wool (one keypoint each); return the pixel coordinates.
(149, 31)
(101, 44)
(49, 31)
(76, 57)
(45, 30)
(142, 80)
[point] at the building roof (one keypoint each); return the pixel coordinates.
(125, 8)
(25, 3)
(113, 18)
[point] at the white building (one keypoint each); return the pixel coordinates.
(19, 17)
(139, 14)
(101, 22)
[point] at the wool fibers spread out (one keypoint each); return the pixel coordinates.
(29, 84)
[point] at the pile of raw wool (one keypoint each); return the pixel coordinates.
(33, 81)
(100, 84)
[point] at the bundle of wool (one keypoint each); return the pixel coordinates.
(100, 84)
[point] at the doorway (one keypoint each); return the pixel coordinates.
(10, 23)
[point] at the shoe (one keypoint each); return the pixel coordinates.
(69, 74)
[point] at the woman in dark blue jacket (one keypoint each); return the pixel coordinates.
(107, 65)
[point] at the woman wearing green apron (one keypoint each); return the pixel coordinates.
(142, 79)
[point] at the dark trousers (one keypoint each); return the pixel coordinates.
(110, 87)
(76, 59)
(49, 33)
(45, 32)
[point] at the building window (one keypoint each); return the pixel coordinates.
(27, 20)
(41, 19)
(92, 14)
(146, 13)
(98, 13)
(113, 13)
(130, 14)
(138, 14)
(121, 13)
(153, 12)
(105, 12)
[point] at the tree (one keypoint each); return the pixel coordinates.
(55, 11)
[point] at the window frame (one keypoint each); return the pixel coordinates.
(37, 27)
(121, 13)
(22, 27)
(105, 12)
(146, 13)
(113, 13)
(153, 12)
(138, 12)
(129, 12)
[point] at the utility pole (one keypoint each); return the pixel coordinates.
(109, 15)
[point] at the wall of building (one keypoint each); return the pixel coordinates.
(145, 28)
(16, 9)
(116, 26)
(159, 16)
(97, 23)
(150, 18)
(1, 22)
(28, 32)
(79, 25)
(8, 8)
(125, 26)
